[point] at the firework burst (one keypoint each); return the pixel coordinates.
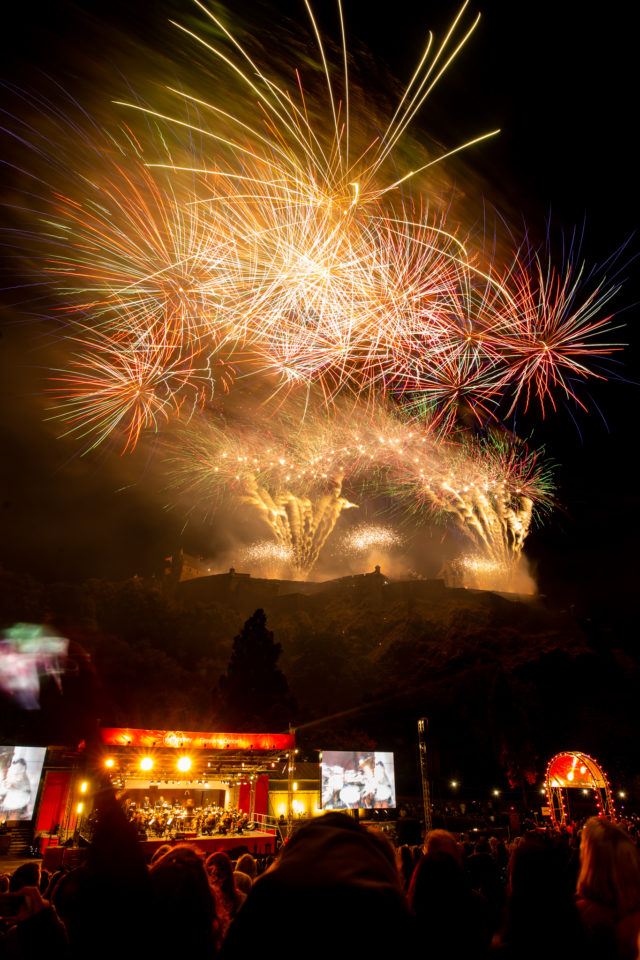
(271, 236)
(366, 537)
(266, 552)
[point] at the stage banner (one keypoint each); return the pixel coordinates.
(53, 802)
(244, 797)
(262, 795)
(261, 800)
(191, 739)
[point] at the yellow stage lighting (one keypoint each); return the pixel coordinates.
(184, 764)
(146, 763)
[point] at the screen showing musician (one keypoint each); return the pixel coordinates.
(20, 770)
(362, 780)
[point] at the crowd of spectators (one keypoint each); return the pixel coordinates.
(336, 889)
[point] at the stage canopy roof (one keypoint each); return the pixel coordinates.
(186, 756)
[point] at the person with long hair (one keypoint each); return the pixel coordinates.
(185, 907)
(608, 890)
(541, 919)
(228, 898)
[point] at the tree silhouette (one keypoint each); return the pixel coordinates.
(513, 705)
(254, 694)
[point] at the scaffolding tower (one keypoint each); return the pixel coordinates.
(424, 773)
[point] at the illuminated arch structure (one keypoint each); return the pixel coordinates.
(574, 769)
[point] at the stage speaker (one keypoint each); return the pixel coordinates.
(51, 858)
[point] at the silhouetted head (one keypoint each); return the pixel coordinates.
(336, 872)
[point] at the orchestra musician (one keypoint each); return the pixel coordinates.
(163, 820)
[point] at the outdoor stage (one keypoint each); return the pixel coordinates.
(167, 780)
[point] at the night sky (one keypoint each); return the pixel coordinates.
(560, 82)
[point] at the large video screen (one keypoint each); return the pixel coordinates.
(357, 780)
(20, 771)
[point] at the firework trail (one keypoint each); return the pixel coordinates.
(300, 526)
(291, 479)
(476, 572)
(290, 471)
(488, 488)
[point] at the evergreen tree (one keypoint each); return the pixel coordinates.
(254, 693)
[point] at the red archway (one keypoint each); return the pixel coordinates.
(575, 769)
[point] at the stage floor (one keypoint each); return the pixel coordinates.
(256, 842)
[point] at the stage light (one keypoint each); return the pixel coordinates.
(585, 791)
(295, 786)
(454, 784)
(184, 764)
(496, 793)
(146, 763)
(80, 808)
(109, 762)
(621, 794)
(84, 786)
